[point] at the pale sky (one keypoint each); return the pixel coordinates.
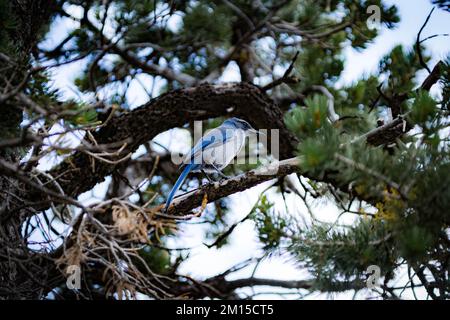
(205, 262)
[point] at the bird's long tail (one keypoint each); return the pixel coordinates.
(178, 184)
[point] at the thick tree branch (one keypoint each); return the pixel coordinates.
(81, 172)
(221, 288)
(213, 191)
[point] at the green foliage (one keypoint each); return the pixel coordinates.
(414, 242)
(270, 229)
(7, 26)
(401, 68)
(334, 254)
(408, 184)
(318, 153)
(317, 66)
(80, 114)
(306, 121)
(319, 139)
(423, 109)
(157, 259)
(204, 22)
(354, 104)
(137, 8)
(358, 11)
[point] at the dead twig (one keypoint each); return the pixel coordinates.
(286, 78)
(418, 48)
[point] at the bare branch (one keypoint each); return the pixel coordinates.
(419, 50)
(286, 78)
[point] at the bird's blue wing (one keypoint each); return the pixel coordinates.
(202, 144)
(212, 139)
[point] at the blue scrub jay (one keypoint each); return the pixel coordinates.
(214, 151)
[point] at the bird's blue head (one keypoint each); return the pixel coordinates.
(237, 123)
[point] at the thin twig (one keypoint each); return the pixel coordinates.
(419, 50)
(285, 78)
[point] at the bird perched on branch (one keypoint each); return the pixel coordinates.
(214, 151)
